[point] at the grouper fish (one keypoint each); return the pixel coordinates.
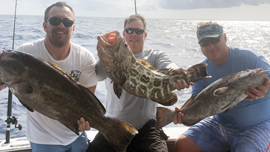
(128, 73)
(220, 96)
(45, 88)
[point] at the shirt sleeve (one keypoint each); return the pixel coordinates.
(163, 62)
(88, 76)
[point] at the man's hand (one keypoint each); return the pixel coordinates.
(178, 118)
(83, 125)
(181, 84)
(258, 92)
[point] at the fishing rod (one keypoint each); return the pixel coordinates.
(10, 119)
(135, 7)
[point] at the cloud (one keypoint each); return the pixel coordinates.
(197, 4)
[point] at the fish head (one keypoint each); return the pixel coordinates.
(253, 77)
(107, 45)
(11, 68)
(113, 51)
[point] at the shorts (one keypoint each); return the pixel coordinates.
(211, 136)
(79, 145)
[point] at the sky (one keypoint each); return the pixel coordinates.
(253, 10)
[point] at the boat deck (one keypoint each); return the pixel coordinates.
(23, 145)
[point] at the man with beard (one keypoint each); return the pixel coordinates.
(46, 134)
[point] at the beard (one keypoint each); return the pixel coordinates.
(59, 42)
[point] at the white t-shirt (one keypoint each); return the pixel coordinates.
(129, 108)
(80, 64)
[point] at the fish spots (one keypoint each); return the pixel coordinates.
(133, 72)
(157, 82)
(142, 89)
(144, 79)
(156, 93)
(165, 82)
(132, 84)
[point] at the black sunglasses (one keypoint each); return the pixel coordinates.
(55, 21)
(205, 42)
(131, 30)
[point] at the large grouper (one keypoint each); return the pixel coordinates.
(136, 76)
(45, 88)
(220, 96)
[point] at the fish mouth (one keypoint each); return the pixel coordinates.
(259, 70)
(109, 39)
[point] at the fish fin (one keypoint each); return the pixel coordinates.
(188, 102)
(146, 64)
(169, 72)
(164, 71)
(62, 71)
(221, 91)
(123, 80)
(197, 72)
(171, 100)
(94, 99)
(119, 138)
(117, 90)
(26, 106)
(164, 116)
(71, 125)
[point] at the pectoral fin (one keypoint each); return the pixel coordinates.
(221, 91)
(117, 90)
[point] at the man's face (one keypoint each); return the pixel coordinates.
(59, 35)
(135, 41)
(216, 51)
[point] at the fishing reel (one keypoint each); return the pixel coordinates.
(14, 120)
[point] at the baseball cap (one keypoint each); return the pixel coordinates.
(211, 30)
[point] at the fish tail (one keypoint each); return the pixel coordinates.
(120, 137)
(164, 116)
(197, 72)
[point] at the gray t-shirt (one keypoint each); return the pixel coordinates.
(129, 108)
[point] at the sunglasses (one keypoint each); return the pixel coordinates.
(131, 30)
(55, 21)
(205, 42)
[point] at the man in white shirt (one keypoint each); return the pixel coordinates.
(44, 133)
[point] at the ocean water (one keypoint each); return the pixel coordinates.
(175, 37)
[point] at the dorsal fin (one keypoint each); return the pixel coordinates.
(62, 71)
(146, 64)
(167, 71)
(164, 71)
(94, 100)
